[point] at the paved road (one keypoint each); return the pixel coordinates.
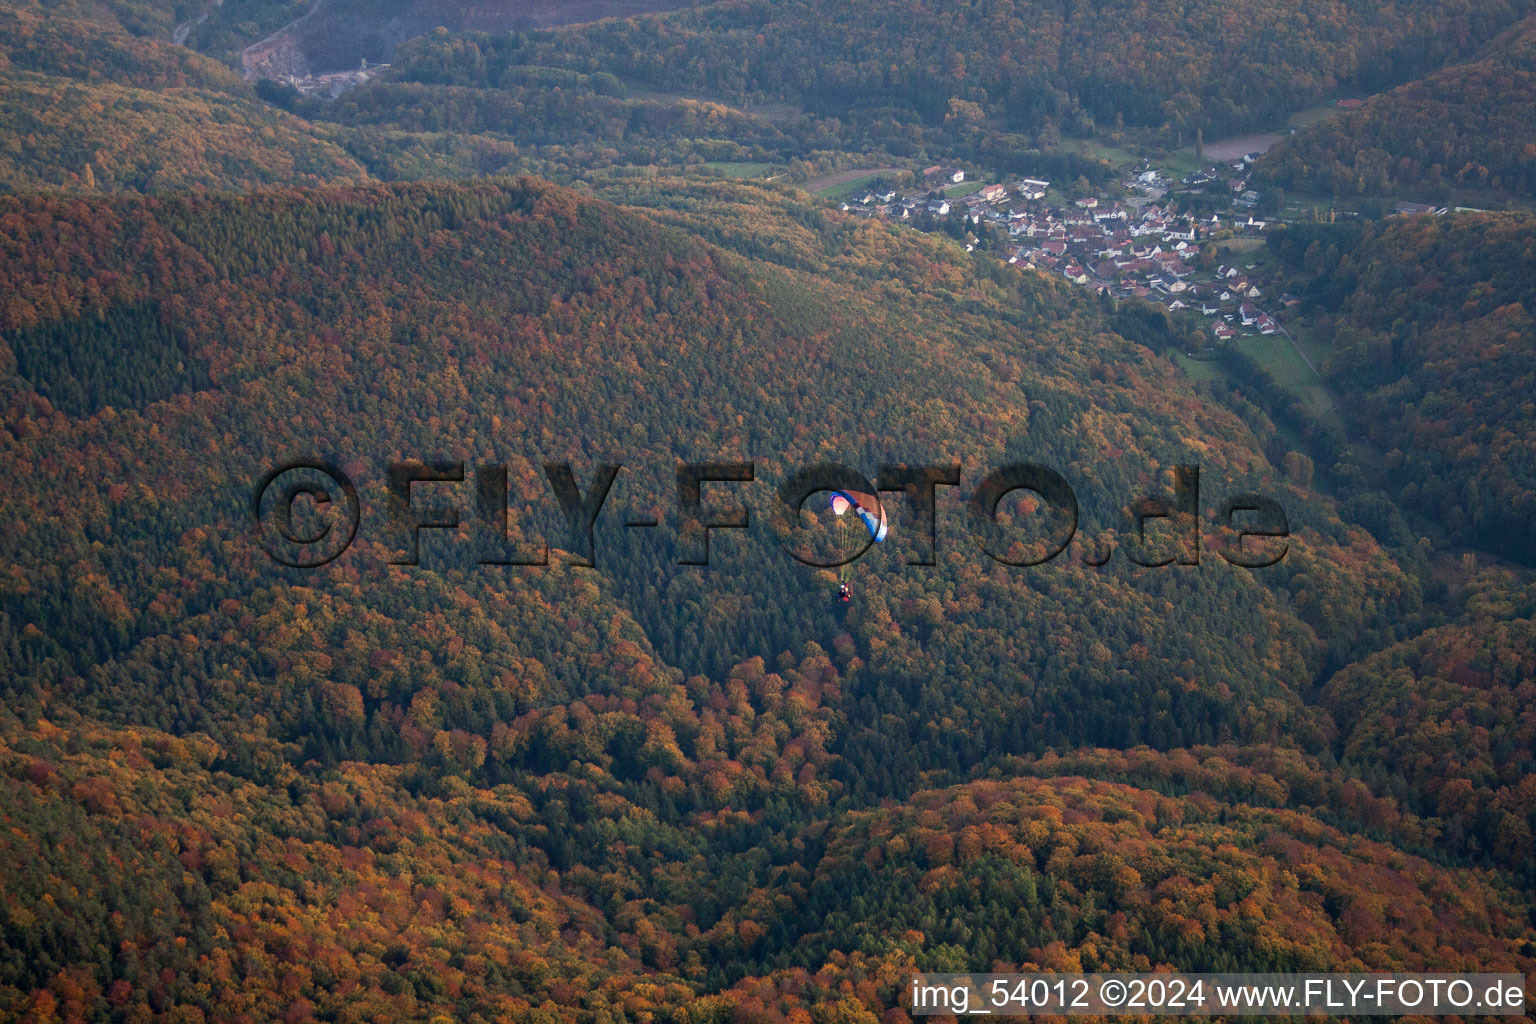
(295, 23)
(179, 37)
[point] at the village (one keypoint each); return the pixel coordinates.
(1143, 245)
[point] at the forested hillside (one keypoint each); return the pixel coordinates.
(338, 34)
(891, 76)
(424, 783)
(1448, 718)
(96, 98)
(1433, 346)
(1009, 86)
(1469, 129)
(99, 98)
(226, 766)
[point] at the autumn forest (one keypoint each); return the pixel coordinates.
(419, 783)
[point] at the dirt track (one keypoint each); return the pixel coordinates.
(1240, 145)
(841, 177)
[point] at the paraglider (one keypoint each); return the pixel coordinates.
(866, 506)
(871, 513)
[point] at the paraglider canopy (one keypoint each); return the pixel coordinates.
(866, 506)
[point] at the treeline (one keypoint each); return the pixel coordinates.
(1444, 722)
(362, 888)
(1325, 444)
(563, 124)
(1011, 66)
(998, 869)
(95, 98)
(1432, 349)
(79, 43)
(1463, 131)
(998, 86)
